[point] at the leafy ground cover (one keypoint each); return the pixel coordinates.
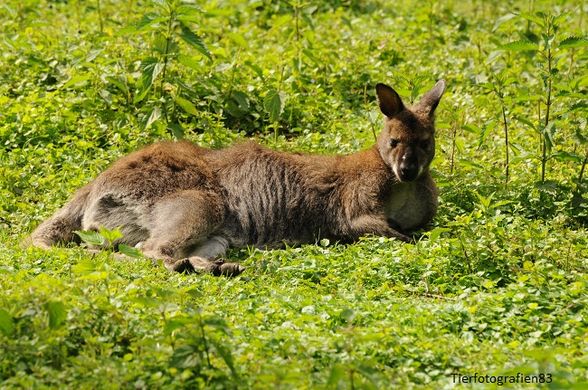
(497, 287)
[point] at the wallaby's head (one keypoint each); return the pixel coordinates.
(407, 143)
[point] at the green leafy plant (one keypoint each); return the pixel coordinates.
(107, 239)
(170, 23)
(547, 46)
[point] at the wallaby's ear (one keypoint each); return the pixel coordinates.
(431, 99)
(390, 102)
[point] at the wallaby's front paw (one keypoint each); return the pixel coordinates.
(405, 238)
(181, 265)
(215, 267)
(202, 265)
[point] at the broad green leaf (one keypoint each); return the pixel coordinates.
(189, 13)
(190, 61)
(145, 23)
(311, 56)
(580, 136)
(238, 104)
(186, 105)
(6, 323)
(471, 128)
(188, 9)
(77, 81)
(567, 156)
(150, 70)
(91, 237)
(503, 19)
(256, 68)
(110, 235)
(488, 284)
(369, 372)
(84, 267)
(238, 39)
(537, 18)
(548, 133)
(177, 130)
(130, 251)
(470, 163)
(119, 82)
(527, 122)
(520, 45)
(225, 354)
(174, 323)
(57, 313)
(273, 105)
(241, 99)
(194, 40)
(187, 356)
(154, 116)
(217, 323)
(436, 233)
(95, 276)
(494, 54)
(486, 129)
(347, 315)
(338, 373)
(573, 42)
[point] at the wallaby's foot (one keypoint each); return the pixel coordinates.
(403, 238)
(202, 265)
(230, 269)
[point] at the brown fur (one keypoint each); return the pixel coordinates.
(186, 205)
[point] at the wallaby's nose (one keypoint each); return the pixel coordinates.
(408, 172)
(409, 168)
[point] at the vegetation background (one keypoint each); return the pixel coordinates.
(497, 287)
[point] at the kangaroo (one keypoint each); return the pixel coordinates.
(186, 205)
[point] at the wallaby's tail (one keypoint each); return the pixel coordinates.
(59, 229)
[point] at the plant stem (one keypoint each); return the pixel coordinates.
(204, 340)
(170, 23)
(547, 109)
(297, 8)
(100, 16)
(296, 20)
(453, 147)
(506, 146)
(581, 175)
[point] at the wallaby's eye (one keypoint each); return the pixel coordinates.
(394, 143)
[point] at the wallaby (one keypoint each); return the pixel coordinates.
(186, 205)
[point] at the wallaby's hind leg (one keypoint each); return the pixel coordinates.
(180, 227)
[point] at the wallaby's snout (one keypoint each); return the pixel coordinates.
(410, 158)
(409, 165)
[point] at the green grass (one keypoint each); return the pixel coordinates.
(497, 287)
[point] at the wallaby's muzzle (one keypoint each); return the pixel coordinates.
(408, 169)
(409, 172)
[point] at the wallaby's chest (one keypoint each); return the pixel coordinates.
(405, 206)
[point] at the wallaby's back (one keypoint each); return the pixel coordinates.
(273, 197)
